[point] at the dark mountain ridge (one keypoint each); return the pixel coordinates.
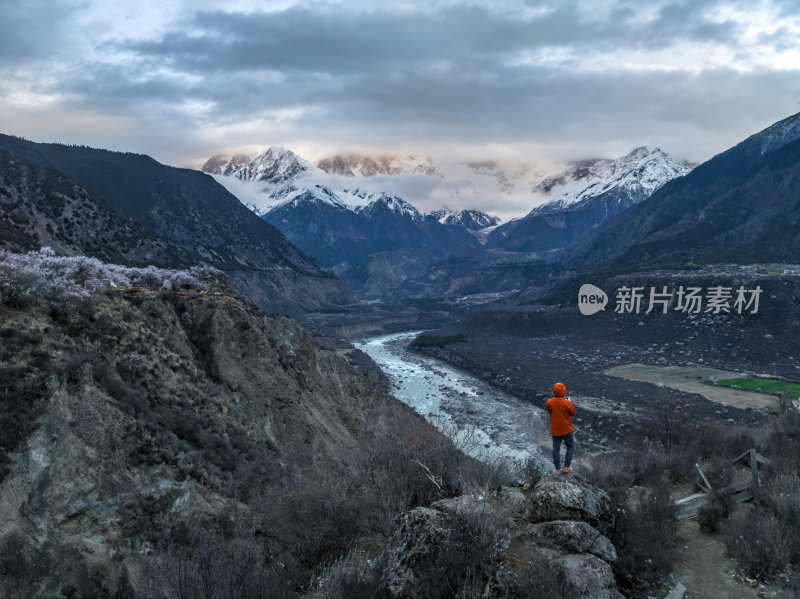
(195, 217)
(385, 234)
(43, 207)
(741, 206)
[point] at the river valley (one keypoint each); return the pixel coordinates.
(484, 421)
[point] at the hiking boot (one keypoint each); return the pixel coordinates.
(566, 469)
(556, 472)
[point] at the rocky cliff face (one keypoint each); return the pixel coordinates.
(131, 422)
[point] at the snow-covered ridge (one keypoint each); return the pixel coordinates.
(638, 174)
(258, 182)
(470, 219)
(290, 195)
(355, 200)
(382, 203)
(370, 204)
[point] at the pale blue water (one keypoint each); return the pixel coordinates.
(484, 421)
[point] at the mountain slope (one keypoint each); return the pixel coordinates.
(43, 207)
(741, 206)
(197, 219)
(614, 186)
(342, 234)
(143, 434)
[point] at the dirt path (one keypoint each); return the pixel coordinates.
(705, 569)
(694, 379)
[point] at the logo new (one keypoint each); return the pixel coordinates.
(591, 299)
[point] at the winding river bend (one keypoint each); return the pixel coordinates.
(484, 421)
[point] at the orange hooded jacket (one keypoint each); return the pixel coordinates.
(561, 410)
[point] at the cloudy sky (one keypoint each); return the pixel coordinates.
(503, 79)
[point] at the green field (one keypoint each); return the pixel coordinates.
(791, 390)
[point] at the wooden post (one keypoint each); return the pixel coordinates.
(754, 469)
(703, 476)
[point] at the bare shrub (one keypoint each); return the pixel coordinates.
(644, 534)
(531, 471)
(759, 542)
(414, 469)
(353, 576)
(781, 498)
(766, 538)
(203, 565)
(717, 508)
(476, 542)
(461, 558)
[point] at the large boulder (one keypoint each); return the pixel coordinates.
(587, 576)
(554, 572)
(413, 557)
(469, 506)
(512, 499)
(578, 537)
(570, 498)
(549, 539)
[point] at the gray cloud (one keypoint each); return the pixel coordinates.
(503, 73)
(338, 42)
(34, 29)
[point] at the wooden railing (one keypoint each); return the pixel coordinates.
(745, 490)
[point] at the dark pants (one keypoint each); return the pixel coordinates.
(570, 442)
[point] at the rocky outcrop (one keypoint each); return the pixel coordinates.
(520, 539)
(569, 498)
(578, 537)
(414, 554)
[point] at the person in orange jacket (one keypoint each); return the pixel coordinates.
(561, 411)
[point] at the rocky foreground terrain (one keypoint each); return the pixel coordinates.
(181, 443)
(544, 542)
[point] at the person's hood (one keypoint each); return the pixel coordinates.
(559, 390)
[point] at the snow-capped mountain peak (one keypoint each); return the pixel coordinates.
(380, 202)
(636, 175)
(472, 220)
(274, 165)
